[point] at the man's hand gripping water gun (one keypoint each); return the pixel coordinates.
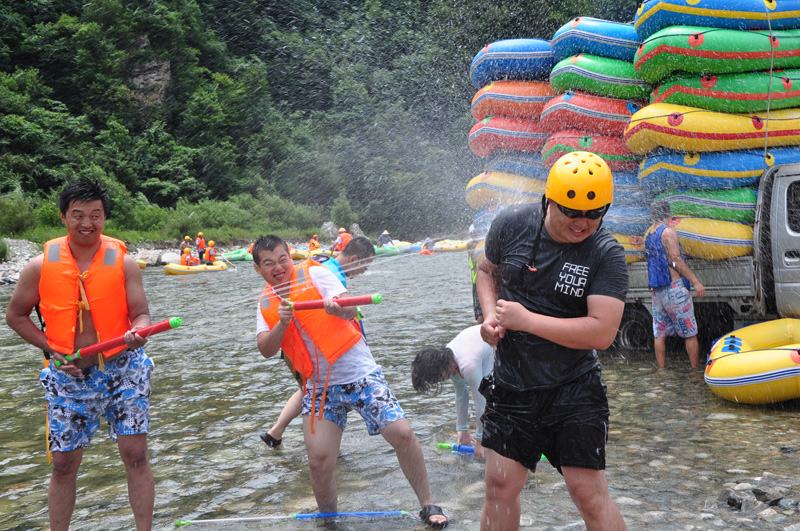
(163, 326)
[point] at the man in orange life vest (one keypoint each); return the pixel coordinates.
(110, 303)
(327, 348)
(201, 246)
(342, 240)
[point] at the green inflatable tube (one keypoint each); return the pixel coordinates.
(734, 93)
(238, 255)
(701, 50)
(598, 75)
(736, 204)
(386, 250)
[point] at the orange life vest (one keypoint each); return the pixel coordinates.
(185, 258)
(201, 243)
(211, 254)
(345, 238)
(326, 331)
(64, 292)
(313, 245)
(250, 247)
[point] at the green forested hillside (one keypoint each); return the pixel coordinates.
(248, 113)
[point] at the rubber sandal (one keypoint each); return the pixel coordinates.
(433, 510)
(269, 440)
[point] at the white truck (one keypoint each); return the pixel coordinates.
(743, 290)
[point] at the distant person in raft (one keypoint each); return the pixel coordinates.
(465, 360)
(669, 279)
(351, 262)
(342, 240)
(313, 243)
(384, 239)
(107, 282)
(200, 242)
(187, 259)
(185, 244)
(211, 253)
(326, 347)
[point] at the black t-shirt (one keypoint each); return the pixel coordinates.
(566, 275)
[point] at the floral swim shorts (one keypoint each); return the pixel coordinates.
(120, 393)
(673, 311)
(370, 396)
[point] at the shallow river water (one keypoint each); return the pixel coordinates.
(674, 455)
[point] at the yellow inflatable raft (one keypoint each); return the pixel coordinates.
(713, 239)
(757, 364)
(448, 246)
(633, 245)
(691, 129)
(493, 188)
(176, 269)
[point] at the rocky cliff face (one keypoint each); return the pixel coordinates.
(150, 80)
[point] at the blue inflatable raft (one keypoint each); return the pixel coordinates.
(520, 163)
(512, 59)
(596, 37)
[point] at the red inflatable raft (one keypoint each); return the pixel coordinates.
(516, 99)
(500, 133)
(586, 112)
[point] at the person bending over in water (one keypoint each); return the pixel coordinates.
(465, 360)
(552, 288)
(327, 348)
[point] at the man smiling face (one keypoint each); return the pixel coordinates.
(84, 221)
(275, 266)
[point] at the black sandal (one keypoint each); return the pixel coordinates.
(433, 510)
(269, 440)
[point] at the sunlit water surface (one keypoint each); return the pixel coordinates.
(672, 445)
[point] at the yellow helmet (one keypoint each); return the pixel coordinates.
(580, 180)
(342, 229)
(187, 238)
(186, 250)
(199, 233)
(211, 243)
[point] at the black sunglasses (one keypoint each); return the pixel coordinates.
(571, 213)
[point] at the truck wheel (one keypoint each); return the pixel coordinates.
(635, 330)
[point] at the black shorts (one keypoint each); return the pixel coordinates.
(568, 424)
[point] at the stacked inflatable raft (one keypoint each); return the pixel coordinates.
(725, 106)
(598, 91)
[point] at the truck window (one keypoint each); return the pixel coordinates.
(793, 205)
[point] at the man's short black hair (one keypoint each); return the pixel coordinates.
(84, 190)
(430, 367)
(267, 243)
(360, 247)
(660, 210)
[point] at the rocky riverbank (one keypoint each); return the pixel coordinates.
(22, 251)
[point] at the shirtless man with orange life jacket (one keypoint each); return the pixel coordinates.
(111, 303)
(327, 349)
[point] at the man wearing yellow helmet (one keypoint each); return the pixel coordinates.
(552, 288)
(185, 244)
(211, 253)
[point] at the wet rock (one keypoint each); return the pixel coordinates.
(788, 503)
(653, 517)
(328, 230)
(627, 501)
(20, 252)
(743, 486)
(356, 231)
(772, 516)
(793, 527)
(788, 449)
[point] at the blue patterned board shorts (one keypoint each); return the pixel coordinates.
(370, 396)
(121, 394)
(673, 311)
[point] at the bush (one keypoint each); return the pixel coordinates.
(342, 213)
(16, 214)
(4, 253)
(47, 213)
